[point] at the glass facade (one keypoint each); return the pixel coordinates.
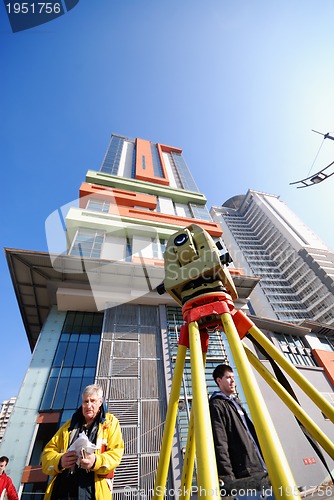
(112, 158)
(182, 173)
(157, 168)
(74, 364)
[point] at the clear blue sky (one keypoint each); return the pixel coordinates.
(238, 85)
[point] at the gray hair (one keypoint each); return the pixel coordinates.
(93, 389)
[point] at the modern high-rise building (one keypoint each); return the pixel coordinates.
(293, 302)
(295, 268)
(92, 313)
(6, 410)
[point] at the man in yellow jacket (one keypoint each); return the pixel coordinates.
(87, 475)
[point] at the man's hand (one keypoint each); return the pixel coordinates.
(68, 460)
(87, 461)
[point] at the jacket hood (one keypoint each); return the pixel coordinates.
(220, 394)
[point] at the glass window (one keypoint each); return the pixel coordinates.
(92, 354)
(128, 250)
(327, 343)
(295, 349)
(75, 361)
(81, 353)
(98, 205)
(87, 243)
(200, 212)
(157, 168)
(183, 171)
(112, 158)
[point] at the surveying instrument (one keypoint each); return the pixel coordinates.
(197, 278)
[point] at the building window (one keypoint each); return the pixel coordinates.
(158, 247)
(200, 212)
(98, 205)
(163, 244)
(133, 164)
(157, 168)
(295, 350)
(143, 162)
(87, 243)
(128, 250)
(327, 343)
(112, 158)
(74, 363)
(183, 171)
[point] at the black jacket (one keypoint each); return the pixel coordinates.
(236, 454)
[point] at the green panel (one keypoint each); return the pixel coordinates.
(113, 181)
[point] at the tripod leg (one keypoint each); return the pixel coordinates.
(279, 471)
(303, 383)
(168, 434)
(205, 452)
(188, 462)
(296, 409)
(189, 458)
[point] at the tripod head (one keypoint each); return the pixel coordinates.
(194, 267)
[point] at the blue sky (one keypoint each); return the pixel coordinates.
(238, 85)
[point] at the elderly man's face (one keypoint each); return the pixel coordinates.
(90, 406)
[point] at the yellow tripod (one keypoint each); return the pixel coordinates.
(196, 279)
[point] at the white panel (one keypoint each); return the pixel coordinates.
(180, 210)
(314, 342)
(170, 173)
(289, 223)
(113, 248)
(166, 206)
(142, 247)
(125, 164)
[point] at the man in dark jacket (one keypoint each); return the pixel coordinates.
(239, 460)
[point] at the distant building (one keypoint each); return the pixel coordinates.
(6, 410)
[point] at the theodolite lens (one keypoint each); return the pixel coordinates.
(180, 239)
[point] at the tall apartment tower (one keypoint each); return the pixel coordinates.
(295, 271)
(296, 268)
(5, 413)
(92, 314)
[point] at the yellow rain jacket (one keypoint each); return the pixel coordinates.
(109, 452)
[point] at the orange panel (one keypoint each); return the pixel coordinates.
(144, 164)
(48, 418)
(211, 227)
(116, 196)
(326, 360)
(33, 474)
